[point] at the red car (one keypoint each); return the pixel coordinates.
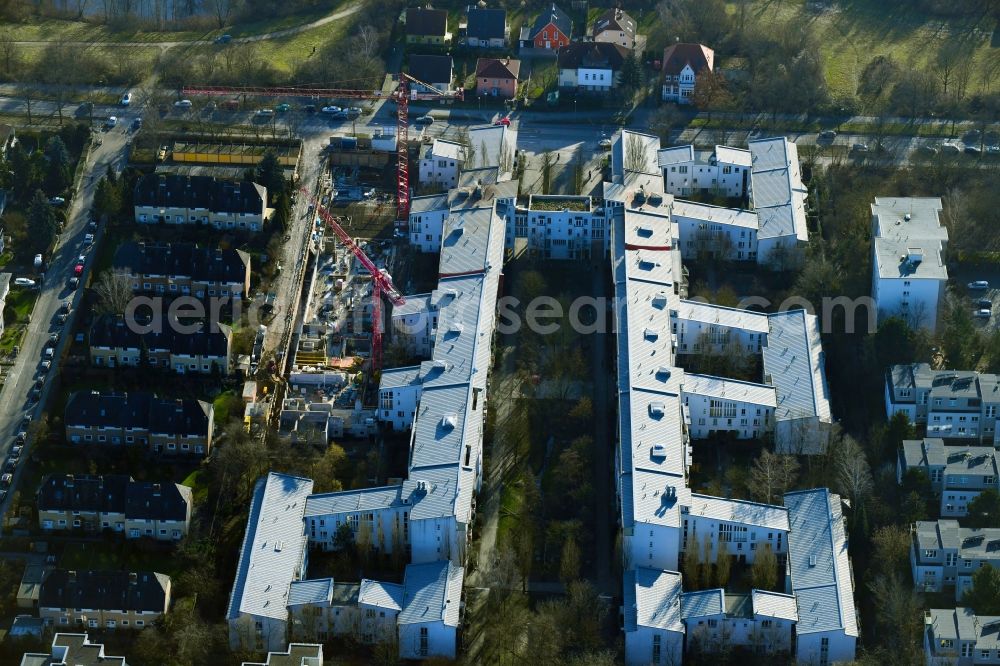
(78, 270)
(505, 121)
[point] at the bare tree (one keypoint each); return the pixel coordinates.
(222, 9)
(636, 154)
(853, 475)
(81, 7)
(27, 95)
(114, 290)
(765, 569)
(772, 475)
(9, 52)
(367, 41)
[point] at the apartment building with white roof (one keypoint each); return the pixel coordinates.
(762, 621)
(702, 327)
(778, 196)
(725, 171)
(958, 474)
(944, 555)
(654, 633)
(955, 405)
(273, 555)
(909, 274)
(715, 232)
(560, 227)
(440, 163)
(821, 579)
(959, 637)
(476, 188)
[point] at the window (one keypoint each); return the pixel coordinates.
(824, 651)
(966, 649)
(423, 642)
(656, 649)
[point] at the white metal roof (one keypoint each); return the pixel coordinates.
(730, 389)
(488, 143)
(349, 501)
(699, 212)
(313, 591)
(704, 603)
(469, 240)
(774, 604)
(429, 203)
(432, 592)
(381, 595)
(744, 512)
(634, 152)
(794, 362)
(708, 313)
(393, 378)
(819, 564)
(730, 155)
(415, 304)
(444, 149)
(652, 599)
(777, 192)
(273, 547)
(675, 155)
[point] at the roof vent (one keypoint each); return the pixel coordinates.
(907, 217)
(651, 333)
(660, 300)
(659, 451)
(656, 408)
(812, 560)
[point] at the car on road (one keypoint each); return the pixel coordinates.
(950, 149)
(10, 465)
(49, 352)
(223, 39)
(24, 282)
(503, 121)
(331, 109)
(265, 113)
(984, 304)
(20, 437)
(979, 284)
(84, 109)
(111, 122)
(425, 119)
(78, 270)
(353, 112)
(983, 313)
(15, 450)
(74, 282)
(928, 149)
(137, 124)
(283, 107)
(61, 318)
(973, 150)
(88, 239)
(56, 201)
(6, 480)
(972, 136)
(827, 135)
(604, 143)
(44, 366)
(126, 99)
(859, 148)
(993, 150)
(64, 308)
(182, 104)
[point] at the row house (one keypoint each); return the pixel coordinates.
(115, 342)
(114, 502)
(184, 269)
(958, 474)
(168, 198)
(162, 426)
(954, 405)
(103, 599)
(959, 637)
(944, 555)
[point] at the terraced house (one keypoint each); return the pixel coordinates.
(157, 343)
(175, 199)
(114, 502)
(162, 426)
(427, 26)
(943, 555)
(958, 474)
(184, 269)
(104, 599)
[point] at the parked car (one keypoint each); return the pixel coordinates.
(137, 124)
(859, 148)
(38, 261)
(24, 282)
(111, 122)
(84, 109)
(223, 39)
(231, 105)
(6, 480)
(49, 352)
(309, 108)
(979, 284)
(126, 99)
(64, 308)
(16, 450)
(283, 107)
(353, 112)
(984, 304)
(57, 201)
(331, 109)
(88, 239)
(973, 150)
(53, 339)
(182, 104)
(950, 149)
(265, 113)
(983, 313)
(827, 135)
(425, 119)
(78, 270)
(503, 121)
(74, 282)
(604, 143)
(44, 366)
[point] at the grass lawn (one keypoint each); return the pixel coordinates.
(20, 302)
(119, 555)
(197, 483)
(862, 29)
(227, 405)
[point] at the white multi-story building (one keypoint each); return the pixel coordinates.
(654, 633)
(477, 188)
(959, 637)
(399, 394)
(413, 325)
(710, 232)
(560, 227)
(441, 163)
(908, 270)
(960, 405)
(718, 405)
(761, 621)
(738, 528)
(944, 555)
(427, 216)
(778, 196)
(706, 328)
(958, 474)
(725, 172)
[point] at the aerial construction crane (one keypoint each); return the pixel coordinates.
(402, 95)
(381, 282)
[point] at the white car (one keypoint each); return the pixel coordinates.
(331, 109)
(979, 284)
(111, 121)
(984, 313)
(183, 104)
(425, 119)
(24, 282)
(126, 99)
(605, 143)
(88, 239)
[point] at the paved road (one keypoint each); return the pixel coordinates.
(55, 290)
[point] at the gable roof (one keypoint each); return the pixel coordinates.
(186, 260)
(486, 23)
(162, 190)
(431, 68)
(157, 501)
(136, 409)
(432, 592)
(592, 54)
(615, 19)
(677, 56)
(105, 590)
(83, 492)
(556, 17)
(421, 21)
(497, 68)
(112, 332)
